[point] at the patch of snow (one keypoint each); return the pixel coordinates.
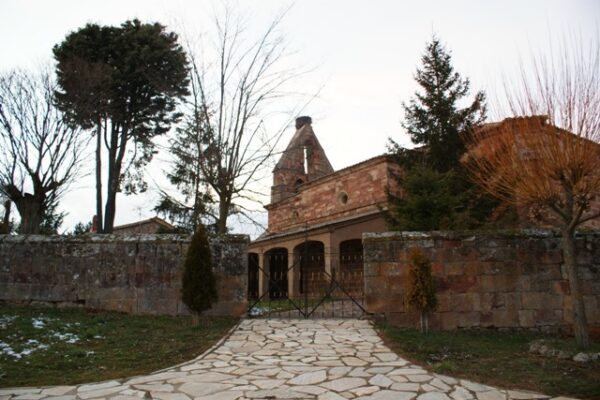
(99, 337)
(6, 349)
(6, 320)
(66, 337)
(258, 311)
(39, 323)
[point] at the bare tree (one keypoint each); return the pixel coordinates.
(234, 96)
(41, 153)
(550, 163)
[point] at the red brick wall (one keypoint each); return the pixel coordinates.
(321, 200)
(502, 280)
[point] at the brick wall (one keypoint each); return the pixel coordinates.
(320, 201)
(138, 274)
(502, 280)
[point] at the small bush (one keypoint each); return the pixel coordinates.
(420, 294)
(199, 286)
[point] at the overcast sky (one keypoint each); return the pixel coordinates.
(364, 53)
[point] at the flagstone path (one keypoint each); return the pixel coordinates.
(287, 359)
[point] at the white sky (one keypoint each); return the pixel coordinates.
(366, 53)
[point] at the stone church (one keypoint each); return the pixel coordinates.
(316, 219)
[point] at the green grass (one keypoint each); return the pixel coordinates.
(498, 358)
(75, 346)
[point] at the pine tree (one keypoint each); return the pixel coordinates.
(194, 202)
(199, 286)
(431, 202)
(420, 294)
(435, 120)
(433, 117)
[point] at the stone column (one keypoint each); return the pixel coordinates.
(263, 279)
(291, 275)
(327, 255)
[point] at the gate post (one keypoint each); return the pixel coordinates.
(263, 281)
(291, 275)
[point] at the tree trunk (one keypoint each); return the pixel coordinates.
(115, 159)
(580, 325)
(99, 221)
(31, 211)
(224, 205)
(6, 218)
(109, 210)
(424, 322)
(111, 193)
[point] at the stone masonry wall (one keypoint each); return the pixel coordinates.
(347, 193)
(502, 280)
(138, 274)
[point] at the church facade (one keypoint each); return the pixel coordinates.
(316, 219)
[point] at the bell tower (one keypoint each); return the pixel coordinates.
(303, 160)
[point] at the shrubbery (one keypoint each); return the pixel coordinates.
(420, 294)
(199, 286)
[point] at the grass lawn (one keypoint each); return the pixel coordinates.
(49, 346)
(498, 358)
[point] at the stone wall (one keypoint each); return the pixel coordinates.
(139, 274)
(502, 280)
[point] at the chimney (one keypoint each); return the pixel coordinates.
(301, 121)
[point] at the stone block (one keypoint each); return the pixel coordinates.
(437, 269)
(371, 269)
(513, 301)
(460, 302)
(449, 320)
(454, 269)
(390, 269)
(443, 302)
(375, 285)
(403, 319)
(468, 319)
(487, 283)
(486, 319)
(547, 317)
(376, 303)
(532, 300)
(527, 318)
(486, 301)
(460, 284)
(475, 300)
(505, 318)
(396, 283)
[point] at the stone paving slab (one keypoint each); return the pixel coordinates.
(287, 359)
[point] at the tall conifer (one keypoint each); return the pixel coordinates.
(436, 120)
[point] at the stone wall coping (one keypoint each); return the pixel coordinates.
(471, 235)
(115, 238)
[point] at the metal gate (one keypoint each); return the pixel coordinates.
(305, 288)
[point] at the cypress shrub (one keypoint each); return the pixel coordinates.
(420, 294)
(199, 286)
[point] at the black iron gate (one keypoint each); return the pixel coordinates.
(305, 288)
